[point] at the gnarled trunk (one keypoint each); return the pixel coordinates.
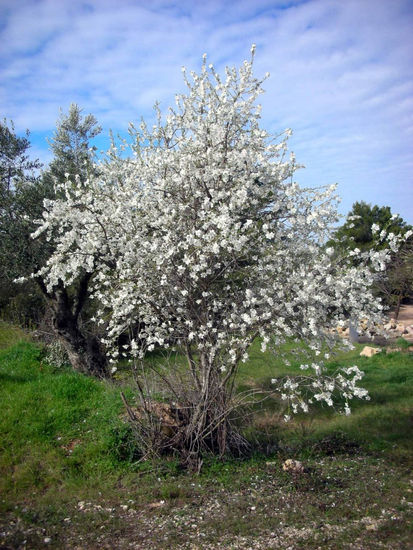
(398, 306)
(84, 351)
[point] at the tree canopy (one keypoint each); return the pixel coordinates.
(202, 241)
(21, 201)
(15, 163)
(71, 145)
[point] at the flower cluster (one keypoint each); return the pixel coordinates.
(302, 391)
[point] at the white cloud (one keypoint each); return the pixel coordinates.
(341, 74)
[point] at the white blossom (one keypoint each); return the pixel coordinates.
(201, 239)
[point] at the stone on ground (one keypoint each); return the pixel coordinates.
(368, 351)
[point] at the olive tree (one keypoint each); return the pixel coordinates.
(73, 157)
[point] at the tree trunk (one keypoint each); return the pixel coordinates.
(209, 427)
(84, 351)
(398, 305)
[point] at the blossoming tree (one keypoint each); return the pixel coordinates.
(201, 242)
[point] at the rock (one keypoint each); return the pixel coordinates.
(293, 466)
(373, 526)
(170, 417)
(342, 331)
(368, 351)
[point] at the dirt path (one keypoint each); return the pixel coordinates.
(405, 315)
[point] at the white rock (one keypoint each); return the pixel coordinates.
(368, 351)
(294, 466)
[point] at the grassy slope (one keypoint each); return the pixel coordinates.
(63, 442)
(57, 427)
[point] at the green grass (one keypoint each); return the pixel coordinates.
(382, 424)
(64, 441)
(57, 427)
(10, 335)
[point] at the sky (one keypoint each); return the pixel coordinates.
(341, 76)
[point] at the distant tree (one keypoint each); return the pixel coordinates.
(15, 164)
(397, 283)
(21, 200)
(73, 154)
(367, 228)
(357, 231)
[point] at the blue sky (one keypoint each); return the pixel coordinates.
(341, 75)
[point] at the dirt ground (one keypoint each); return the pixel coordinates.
(405, 317)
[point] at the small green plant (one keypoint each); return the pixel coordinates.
(123, 444)
(402, 343)
(56, 355)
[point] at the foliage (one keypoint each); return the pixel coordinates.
(201, 241)
(370, 227)
(21, 200)
(357, 231)
(397, 283)
(15, 164)
(22, 195)
(71, 145)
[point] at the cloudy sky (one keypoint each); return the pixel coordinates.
(341, 75)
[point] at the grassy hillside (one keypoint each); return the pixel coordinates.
(70, 475)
